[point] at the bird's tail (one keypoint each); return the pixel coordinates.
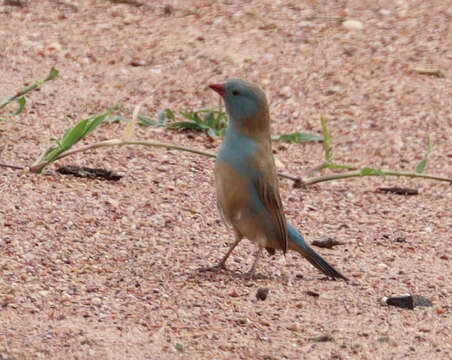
(296, 242)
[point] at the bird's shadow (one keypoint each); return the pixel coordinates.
(201, 273)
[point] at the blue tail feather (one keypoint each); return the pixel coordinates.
(296, 242)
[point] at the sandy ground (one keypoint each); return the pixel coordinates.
(108, 270)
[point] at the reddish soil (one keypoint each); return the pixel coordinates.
(108, 270)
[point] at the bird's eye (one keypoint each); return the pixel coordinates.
(235, 93)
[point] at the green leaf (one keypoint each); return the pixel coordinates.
(145, 121)
(211, 121)
(95, 121)
(170, 114)
(298, 137)
(212, 133)
(420, 168)
(164, 117)
(189, 115)
(185, 125)
(22, 103)
(367, 171)
(72, 136)
(52, 74)
(327, 140)
(117, 119)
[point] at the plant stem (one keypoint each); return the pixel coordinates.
(37, 167)
(315, 180)
(52, 75)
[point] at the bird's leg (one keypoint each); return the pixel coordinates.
(222, 263)
(250, 274)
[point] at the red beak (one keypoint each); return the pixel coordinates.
(219, 88)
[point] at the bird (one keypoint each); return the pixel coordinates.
(246, 180)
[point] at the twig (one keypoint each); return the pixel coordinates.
(431, 72)
(12, 166)
(129, 2)
(329, 18)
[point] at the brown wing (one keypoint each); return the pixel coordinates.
(269, 196)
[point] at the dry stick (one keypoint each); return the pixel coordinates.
(12, 166)
(431, 72)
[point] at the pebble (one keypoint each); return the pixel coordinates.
(55, 46)
(96, 301)
(333, 90)
(286, 91)
(262, 293)
(306, 24)
(352, 25)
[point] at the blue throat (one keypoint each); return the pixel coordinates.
(237, 149)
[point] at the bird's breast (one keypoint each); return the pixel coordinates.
(239, 151)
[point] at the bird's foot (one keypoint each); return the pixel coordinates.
(215, 268)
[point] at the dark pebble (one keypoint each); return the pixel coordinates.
(262, 293)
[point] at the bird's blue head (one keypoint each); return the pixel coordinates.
(245, 102)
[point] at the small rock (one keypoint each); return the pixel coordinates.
(279, 164)
(55, 46)
(326, 242)
(66, 297)
(262, 293)
(306, 24)
(18, 3)
(384, 339)
(323, 338)
(136, 62)
(333, 90)
(293, 327)
(352, 25)
(179, 347)
(286, 91)
(398, 190)
(312, 293)
(400, 240)
(406, 301)
(97, 301)
(244, 321)
(383, 266)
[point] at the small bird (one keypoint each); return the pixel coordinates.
(246, 180)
